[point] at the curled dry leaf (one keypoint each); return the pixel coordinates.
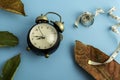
(7, 39)
(83, 53)
(15, 6)
(10, 67)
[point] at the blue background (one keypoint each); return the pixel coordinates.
(60, 65)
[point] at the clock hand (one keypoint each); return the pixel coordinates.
(40, 37)
(37, 36)
(40, 31)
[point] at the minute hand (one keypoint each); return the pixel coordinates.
(40, 31)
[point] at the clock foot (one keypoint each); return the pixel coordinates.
(28, 49)
(47, 55)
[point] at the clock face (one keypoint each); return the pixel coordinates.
(43, 36)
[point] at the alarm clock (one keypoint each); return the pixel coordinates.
(45, 36)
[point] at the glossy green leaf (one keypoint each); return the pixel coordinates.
(10, 67)
(15, 6)
(7, 39)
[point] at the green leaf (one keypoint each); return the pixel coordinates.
(7, 39)
(10, 67)
(15, 6)
(0, 78)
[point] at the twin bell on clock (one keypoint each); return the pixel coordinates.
(45, 36)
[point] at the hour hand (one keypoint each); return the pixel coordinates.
(40, 37)
(37, 36)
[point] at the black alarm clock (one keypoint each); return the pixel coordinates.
(45, 36)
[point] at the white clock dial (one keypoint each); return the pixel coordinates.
(43, 36)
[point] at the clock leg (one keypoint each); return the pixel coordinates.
(47, 55)
(28, 48)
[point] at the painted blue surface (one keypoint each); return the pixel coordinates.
(60, 65)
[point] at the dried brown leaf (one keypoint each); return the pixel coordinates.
(83, 53)
(15, 6)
